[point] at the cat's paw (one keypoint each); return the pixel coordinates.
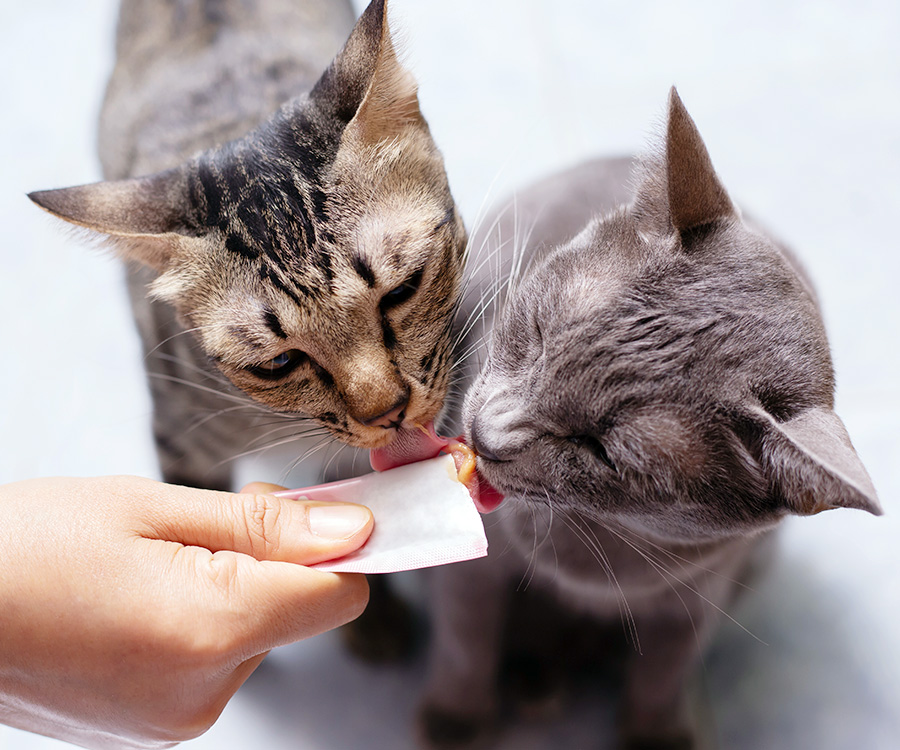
(385, 632)
(440, 729)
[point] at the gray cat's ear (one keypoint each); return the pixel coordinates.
(143, 217)
(811, 463)
(696, 195)
(365, 85)
(678, 189)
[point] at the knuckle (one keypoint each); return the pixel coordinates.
(261, 518)
(205, 649)
(186, 724)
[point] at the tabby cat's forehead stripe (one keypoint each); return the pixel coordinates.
(236, 244)
(274, 324)
(210, 194)
(323, 262)
(362, 268)
(267, 274)
(302, 141)
(234, 181)
(265, 194)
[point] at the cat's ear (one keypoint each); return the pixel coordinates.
(365, 85)
(680, 189)
(810, 462)
(696, 195)
(144, 217)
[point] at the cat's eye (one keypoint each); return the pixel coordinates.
(400, 294)
(590, 443)
(280, 366)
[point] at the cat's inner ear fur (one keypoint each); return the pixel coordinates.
(809, 461)
(144, 217)
(678, 188)
(366, 86)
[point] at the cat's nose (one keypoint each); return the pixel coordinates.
(393, 417)
(481, 448)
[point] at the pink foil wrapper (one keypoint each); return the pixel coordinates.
(424, 517)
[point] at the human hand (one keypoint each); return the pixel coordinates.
(131, 611)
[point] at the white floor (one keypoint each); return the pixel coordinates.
(799, 103)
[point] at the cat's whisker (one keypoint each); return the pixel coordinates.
(339, 449)
(474, 274)
(264, 448)
(308, 453)
(551, 506)
(313, 431)
(531, 568)
(234, 398)
(488, 298)
(590, 540)
(479, 257)
(482, 213)
(475, 318)
(471, 351)
(520, 264)
(665, 574)
(200, 421)
(671, 579)
(683, 561)
(181, 362)
(195, 329)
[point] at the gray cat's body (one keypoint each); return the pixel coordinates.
(656, 397)
(295, 250)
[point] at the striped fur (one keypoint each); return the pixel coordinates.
(280, 217)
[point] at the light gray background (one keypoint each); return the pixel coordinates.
(799, 103)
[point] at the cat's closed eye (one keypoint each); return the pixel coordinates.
(400, 294)
(280, 366)
(595, 447)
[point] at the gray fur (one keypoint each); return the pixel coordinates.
(270, 208)
(657, 396)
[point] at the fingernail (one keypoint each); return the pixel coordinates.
(337, 521)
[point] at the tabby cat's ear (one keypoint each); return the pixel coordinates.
(365, 85)
(810, 462)
(144, 217)
(680, 190)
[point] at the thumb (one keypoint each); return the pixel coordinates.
(260, 525)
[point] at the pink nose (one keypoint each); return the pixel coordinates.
(392, 417)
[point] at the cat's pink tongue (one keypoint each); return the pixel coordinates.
(408, 446)
(486, 497)
(419, 445)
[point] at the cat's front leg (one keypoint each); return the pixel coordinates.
(655, 712)
(468, 612)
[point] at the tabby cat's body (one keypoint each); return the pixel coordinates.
(291, 233)
(656, 397)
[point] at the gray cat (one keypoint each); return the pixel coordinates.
(294, 228)
(657, 396)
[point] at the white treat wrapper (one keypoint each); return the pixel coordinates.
(424, 517)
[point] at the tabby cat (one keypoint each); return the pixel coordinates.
(657, 396)
(308, 251)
